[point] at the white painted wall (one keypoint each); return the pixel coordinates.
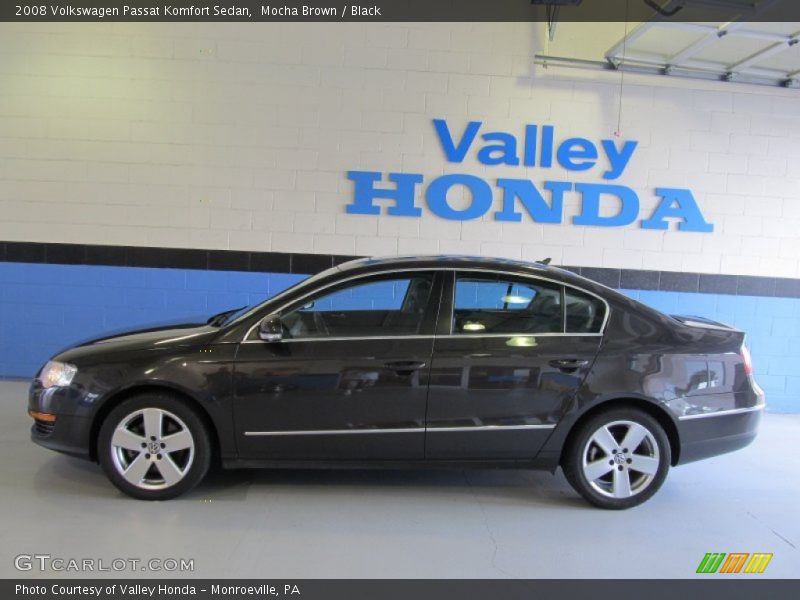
(239, 135)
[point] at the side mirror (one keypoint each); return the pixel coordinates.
(270, 329)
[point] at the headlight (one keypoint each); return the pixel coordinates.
(57, 373)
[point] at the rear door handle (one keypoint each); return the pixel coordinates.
(405, 367)
(568, 364)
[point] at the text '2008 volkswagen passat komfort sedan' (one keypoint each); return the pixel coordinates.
(452, 361)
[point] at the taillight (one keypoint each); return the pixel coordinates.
(748, 361)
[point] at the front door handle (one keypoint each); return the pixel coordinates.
(568, 365)
(405, 367)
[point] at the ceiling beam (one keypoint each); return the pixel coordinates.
(774, 79)
(701, 44)
(552, 21)
(762, 55)
(719, 69)
(761, 35)
(613, 52)
(712, 33)
(714, 29)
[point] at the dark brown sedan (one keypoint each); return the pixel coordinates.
(410, 361)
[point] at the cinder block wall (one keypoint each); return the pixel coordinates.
(239, 137)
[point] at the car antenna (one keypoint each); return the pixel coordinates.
(545, 262)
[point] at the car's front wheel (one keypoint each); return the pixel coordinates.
(154, 447)
(618, 458)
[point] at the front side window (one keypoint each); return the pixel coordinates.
(375, 306)
(500, 304)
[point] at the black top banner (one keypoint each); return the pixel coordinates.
(400, 10)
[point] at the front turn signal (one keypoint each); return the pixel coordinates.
(40, 416)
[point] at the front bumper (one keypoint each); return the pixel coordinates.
(708, 435)
(70, 433)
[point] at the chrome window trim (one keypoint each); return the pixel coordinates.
(556, 282)
(397, 430)
(246, 339)
(723, 413)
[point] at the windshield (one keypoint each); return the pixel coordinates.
(245, 312)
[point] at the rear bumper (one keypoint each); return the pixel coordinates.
(712, 434)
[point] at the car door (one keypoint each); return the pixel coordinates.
(511, 352)
(348, 379)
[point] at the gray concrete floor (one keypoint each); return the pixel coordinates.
(398, 524)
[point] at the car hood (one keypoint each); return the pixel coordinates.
(173, 334)
(161, 336)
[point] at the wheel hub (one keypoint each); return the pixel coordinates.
(620, 458)
(154, 447)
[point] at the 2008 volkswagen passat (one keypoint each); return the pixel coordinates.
(416, 361)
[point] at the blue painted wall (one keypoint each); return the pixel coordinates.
(44, 308)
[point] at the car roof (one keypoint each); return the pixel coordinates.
(451, 261)
(444, 261)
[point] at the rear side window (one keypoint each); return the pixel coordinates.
(585, 314)
(497, 304)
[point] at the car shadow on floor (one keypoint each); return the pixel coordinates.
(72, 477)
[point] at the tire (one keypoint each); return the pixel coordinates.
(154, 446)
(620, 476)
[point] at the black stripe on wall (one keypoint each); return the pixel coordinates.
(302, 263)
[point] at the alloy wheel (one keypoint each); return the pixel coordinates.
(152, 448)
(620, 459)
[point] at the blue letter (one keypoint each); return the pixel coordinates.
(685, 208)
(436, 196)
(532, 200)
(617, 158)
(577, 148)
(546, 158)
(451, 151)
(365, 193)
(590, 213)
(507, 149)
(531, 131)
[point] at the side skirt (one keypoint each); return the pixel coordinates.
(240, 463)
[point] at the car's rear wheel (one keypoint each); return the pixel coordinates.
(618, 458)
(154, 447)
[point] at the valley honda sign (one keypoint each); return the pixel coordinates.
(522, 199)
